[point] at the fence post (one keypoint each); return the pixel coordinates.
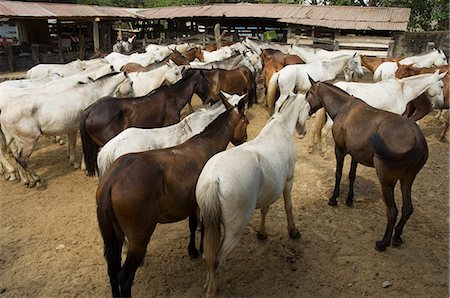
(390, 52)
(336, 45)
(10, 55)
(35, 53)
(60, 50)
(82, 49)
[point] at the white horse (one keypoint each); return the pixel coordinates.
(217, 55)
(146, 81)
(257, 46)
(142, 139)
(386, 70)
(124, 46)
(25, 83)
(390, 95)
(310, 55)
(118, 59)
(42, 70)
(251, 176)
(295, 77)
(25, 119)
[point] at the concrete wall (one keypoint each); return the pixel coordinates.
(413, 43)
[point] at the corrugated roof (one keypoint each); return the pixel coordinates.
(60, 10)
(336, 17)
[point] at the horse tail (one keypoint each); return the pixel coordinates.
(211, 213)
(90, 148)
(393, 158)
(105, 159)
(272, 91)
(252, 98)
(377, 75)
(112, 235)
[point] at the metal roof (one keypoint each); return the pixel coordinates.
(336, 17)
(60, 10)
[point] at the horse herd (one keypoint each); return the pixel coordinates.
(155, 167)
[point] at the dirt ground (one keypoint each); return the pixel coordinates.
(51, 247)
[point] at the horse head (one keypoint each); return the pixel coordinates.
(440, 59)
(240, 130)
(311, 96)
(125, 88)
(436, 91)
(173, 74)
(353, 66)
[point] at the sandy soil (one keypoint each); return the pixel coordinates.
(51, 246)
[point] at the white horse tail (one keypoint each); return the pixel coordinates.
(105, 158)
(272, 92)
(377, 75)
(210, 213)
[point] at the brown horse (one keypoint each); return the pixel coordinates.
(143, 189)
(372, 63)
(236, 81)
(421, 106)
(175, 56)
(213, 47)
(193, 53)
(391, 143)
(107, 117)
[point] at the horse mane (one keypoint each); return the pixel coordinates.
(339, 90)
(183, 80)
(216, 124)
(106, 76)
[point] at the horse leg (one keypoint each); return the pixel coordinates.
(407, 210)
(4, 163)
(72, 141)
(339, 164)
(293, 232)
(324, 133)
(137, 246)
(387, 186)
(444, 131)
(313, 137)
(351, 177)
(261, 234)
(83, 164)
(193, 222)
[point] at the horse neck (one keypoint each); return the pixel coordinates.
(289, 115)
(416, 85)
(184, 90)
(332, 98)
(220, 131)
(371, 63)
(334, 66)
(103, 87)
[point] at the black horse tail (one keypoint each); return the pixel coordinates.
(112, 236)
(253, 99)
(90, 148)
(386, 154)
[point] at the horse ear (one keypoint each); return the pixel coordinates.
(311, 80)
(241, 104)
(441, 75)
(354, 55)
(225, 102)
(224, 94)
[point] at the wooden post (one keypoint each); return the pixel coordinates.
(35, 53)
(336, 45)
(390, 52)
(217, 36)
(10, 55)
(95, 33)
(204, 39)
(82, 49)
(60, 50)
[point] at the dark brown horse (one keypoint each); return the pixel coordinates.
(391, 143)
(236, 81)
(175, 56)
(143, 189)
(107, 117)
(193, 53)
(421, 106)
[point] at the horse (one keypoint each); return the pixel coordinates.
(372, 63)
(175, 56)
(252, 176)
(418, 109)
(310, 55)
(26, 83)
(135, 139)
(217, 55)
(124, 46)
(295, 77)
(257, 46)
(26, 118)
(236, 81)
(106, 118)
(390, 95)
(392, 144)
(193, 53)
(145, 82)
(42, 70)
(387, 70)
(160, 190)
(211, 47)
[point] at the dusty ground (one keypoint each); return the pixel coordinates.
(51, 247)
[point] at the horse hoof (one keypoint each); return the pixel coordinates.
(193, 253)
(261, 235)
(332, 202)
(397, 241)
(380, 246)
(76, 166)
(349, 203)
(294, 234)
